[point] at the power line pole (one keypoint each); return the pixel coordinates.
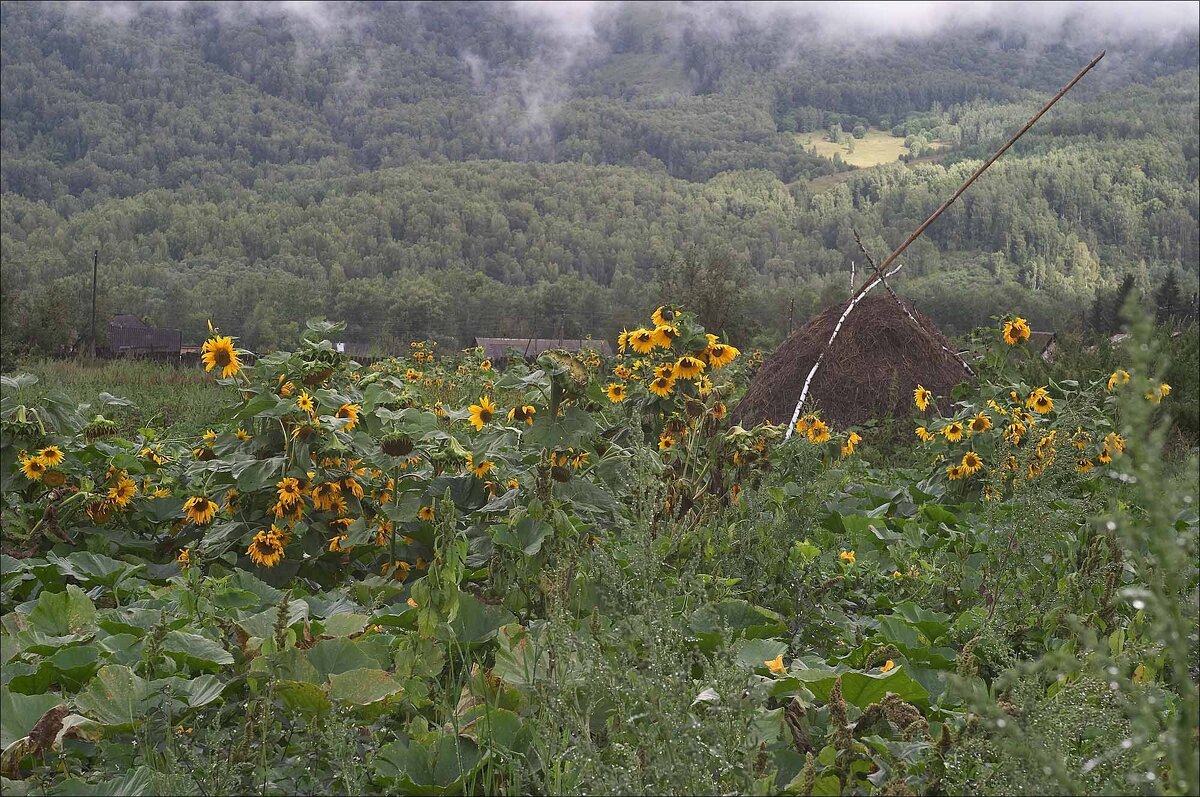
(95, 268)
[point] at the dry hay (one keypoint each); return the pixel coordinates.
(879, 357)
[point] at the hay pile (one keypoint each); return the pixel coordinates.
(879, 357)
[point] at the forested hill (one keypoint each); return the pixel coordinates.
(457, 169)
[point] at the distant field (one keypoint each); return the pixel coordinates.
(875, 148)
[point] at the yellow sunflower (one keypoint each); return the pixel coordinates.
(1114, 442)
(184, 559)
(981, 422)
(616, 392)
(662, 317)
(351, 412)
(121, 493)
(51, 456)
(665, 441)
(806, 421)
(642, 340)
(1039, 401)
(922, 397)
(719, 410)
(1016, 331)
(924, 434)
(662, 386)
(290, 491)
(425, 513)
(482, 412)
(218, 352)
(818, 432)
(523, 414)
(623, 341)
(665, 370)
(775, 665)
(852, 440)
(1084, 465)
(1119, 377)
(287, 389)
(687, 367)
(486, 365)
(199, 510)
(622, 372)
(483, 468)
(704, 385)
(971, 462)
(955, 472)
(665, 335)
(953, 432)
(33, 468)
(325, 496)
(267, 548)
(848, 557)
(1104, 457)
(720, 354)
(305, 403)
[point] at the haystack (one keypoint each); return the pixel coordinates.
(877, 360)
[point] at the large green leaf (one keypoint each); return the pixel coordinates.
(116, 696)
(861, 689)
(737, 618)
(438, 770)
(19, 713)
(93, 568)
(333, 656)
(363, 686)
(477, 622)
(521, 658)
(304, 697)
(196, 651)
(64, 613)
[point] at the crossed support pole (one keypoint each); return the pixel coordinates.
(881, 274)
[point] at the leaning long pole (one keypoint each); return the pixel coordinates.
(881, 269)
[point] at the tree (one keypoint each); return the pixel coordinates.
(1169, 304)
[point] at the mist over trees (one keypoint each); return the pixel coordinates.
(451, 170)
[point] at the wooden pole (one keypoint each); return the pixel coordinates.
(95, 270)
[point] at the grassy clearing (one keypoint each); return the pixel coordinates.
(181, 400)
(876, 148)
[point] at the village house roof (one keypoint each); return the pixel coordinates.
(128, 334)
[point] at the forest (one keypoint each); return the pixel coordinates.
(451, 171)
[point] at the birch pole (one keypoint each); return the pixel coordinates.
(915, 234)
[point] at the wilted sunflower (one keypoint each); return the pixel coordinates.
(1105, 456)
(335, 543)
(267, 548)
(1114, 442)
(953, 432)
(1016, 331)
(218, 352)
(924, 434)
(523, 414)
(290, 491)
(661, 386)
(52, 456)
(806, 421)
(121, 493)
(579, 459)
(981, 422)
(719, 410)
(971, 462)
(1119, 377)
(482, 412)
(688, 367)
(616, 393)
(642, 340)
(351, 412)
(287, 389)
(325, 496)
(922, 397)
(665, 335)
(33, 468)
(818, 432)
(425, 513)
(199, 510)
(1039, 401)
(184, 559)
(852, 440)
(622, 372)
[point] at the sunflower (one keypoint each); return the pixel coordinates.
(971, 462)
(622, 372)
(482, 412)
(642, 340)
(847, 557)
(351, 485)
(955, 472)
(33, 468)
(1104, 457)
(1084, 465)
(54, 478)
(720, 354)
(242, 434)
(719, 411)
(665, 335)
(513, 484)
(665, 370)
(399, 569)
(486, 365)
(335, 543)
(662, 317)
(662, 386)
(425, 513)
(665, 441)
(267, 548)
(483, 468)
(51, 456)
(579, 459)
(981, 422)
(852, 440)
(218, 352)
(1039, 401)
(305, 403)
(199, 510)
(184, 559)
(953, 432)
(325, 495)
(1119, 377)
(290, 491)
(1016, 331)
(351, 412)
(804, 423)
(924, 434)
(623, 341)
(1114, 442)
(287, 389)
(121, 493)
(523, 414)
(616, 392)
(818, 432)
(688, 367)
(922, 397)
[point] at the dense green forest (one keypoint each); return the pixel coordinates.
(441, 170)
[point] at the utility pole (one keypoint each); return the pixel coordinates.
(95, 268)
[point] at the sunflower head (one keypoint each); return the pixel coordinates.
(616, 392)
(953, 432)
(641, 340)
(33, 468)
(663, 336)
(523, 414)
(266, 550)
(661, 386)
(199, 510)
(688, 367)
(662, 317)
(52, 456)
(350, 412)
(482, 412)
(218, 352)
(921, 397)
(1016, 331)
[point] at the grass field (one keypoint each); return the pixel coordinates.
(182, 400)
(875, 148)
